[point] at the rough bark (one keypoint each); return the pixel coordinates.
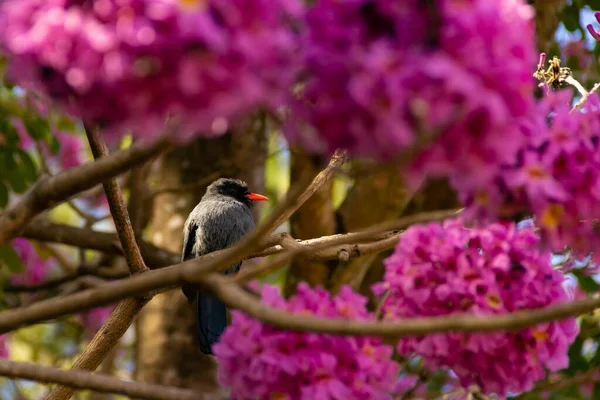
(433, 195)
(547, 19)
(378, 196)
(167, 351)
(315, 218)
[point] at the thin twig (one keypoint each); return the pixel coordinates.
(118, 209)
(236, 297)
(585, 97)
(48, 191)
(97, 382)
(121, 318)
(173, 276)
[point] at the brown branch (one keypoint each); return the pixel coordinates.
(337, 160)
(48, 191)
(96, 382)
(81, 272)
(108, 243)
(118, 208)
(104, 340)
(177, 274)
(236, 297)
(121, 318)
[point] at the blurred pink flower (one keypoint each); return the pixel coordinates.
(441, 269)
(258, 360)
(36, 268)
(555, 176)
(133, 64)
(95, 318)
(424, 84)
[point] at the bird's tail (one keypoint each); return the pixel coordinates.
(212, 320)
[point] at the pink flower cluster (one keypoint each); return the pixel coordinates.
(389, 79)
(95, 318)
(556, 176)
(131, 64)
(442, 269)
(71, 147)
(36, 268)
(258, 360)
(4, 349)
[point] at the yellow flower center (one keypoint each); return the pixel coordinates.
(551, 216)
(193, 5)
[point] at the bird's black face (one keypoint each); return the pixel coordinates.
(236, 189)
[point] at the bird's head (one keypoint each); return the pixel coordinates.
(234, 188)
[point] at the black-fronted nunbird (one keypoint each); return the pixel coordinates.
(221, 218)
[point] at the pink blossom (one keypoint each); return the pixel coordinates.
(71, 147)
(95, 318)
(258, 360)
(441, 269)
(555, 176)
(36, 268)
(595, 34)
(131, 65)
(4, 348)
(423, 84)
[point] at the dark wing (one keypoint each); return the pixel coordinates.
(189, 252)
(189, 240)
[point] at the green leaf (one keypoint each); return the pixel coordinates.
(577, 361)
(3, 195)
(596, 392)
(10, 258)
(13, 174)
(587, 283)
(570, 18)
(38, 128)
(593, 4)
(65, 124)
(10, 132)
(54, 145)
(28, 168)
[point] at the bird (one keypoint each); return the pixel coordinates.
(222, 217)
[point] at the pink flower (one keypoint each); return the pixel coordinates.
(4, 348)
(95, 318)
(133, 64)
(595, 34)
(441, 269)
(423, 84)
(555, 176)
(36, 268)
(258, 361)
(71, 147)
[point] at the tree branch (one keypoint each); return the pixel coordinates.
(337, 160)
(118, 208)
(48, 191)
(46, 231)
(97, 382)
(83, 271)
(177, 274)
(121, 318)
(236, 297)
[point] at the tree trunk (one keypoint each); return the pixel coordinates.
(314, 219)
(167, 350)
(378, 196)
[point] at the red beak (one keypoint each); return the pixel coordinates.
(256, 197)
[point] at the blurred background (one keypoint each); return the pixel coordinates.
(160, 347)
